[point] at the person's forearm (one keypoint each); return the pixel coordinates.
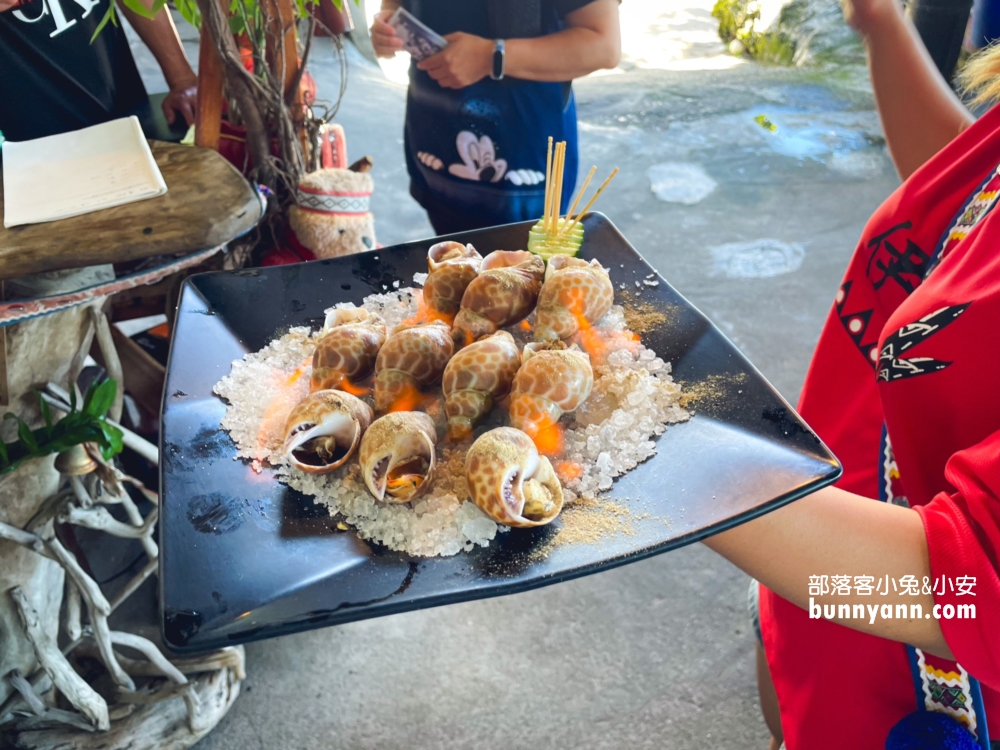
(833, 532)
(160, 35)
(563, 56)
(920, 114)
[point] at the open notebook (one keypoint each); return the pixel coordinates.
(78, 172)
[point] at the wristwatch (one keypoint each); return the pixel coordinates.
(499, 60)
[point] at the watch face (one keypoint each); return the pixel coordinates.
(497, 63)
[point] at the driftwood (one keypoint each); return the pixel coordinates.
(207, 203)
(83, 697)
(158, 703)
(159, 726)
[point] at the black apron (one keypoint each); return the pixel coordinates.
(481, 150)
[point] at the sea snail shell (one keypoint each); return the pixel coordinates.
(410, 359)
(397, 456)
(348, 349)
(510, 481)
(551, 382)
(451, 268)
(324, 430)
(475, 378)
(575, 294)
(502, 294)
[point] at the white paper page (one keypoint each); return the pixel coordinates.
(74, 173)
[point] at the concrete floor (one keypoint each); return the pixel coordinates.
(659, 653)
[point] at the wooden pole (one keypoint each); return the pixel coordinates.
(283, 61)
(208, 121)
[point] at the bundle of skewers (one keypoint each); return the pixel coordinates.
(555, 234)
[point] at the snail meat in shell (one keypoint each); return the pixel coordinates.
(397, 456)
(510, 482)
(324, 430)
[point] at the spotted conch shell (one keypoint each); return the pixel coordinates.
(575, 293)
(477, 376)
(397, 456)
(510, 481)
(348, 349)
(502, 294)
(324, 430)
(409, 360)
(553, 380)
(451, 268)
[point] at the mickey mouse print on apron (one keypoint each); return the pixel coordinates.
(482, 149)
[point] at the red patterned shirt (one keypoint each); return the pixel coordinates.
(904, 387)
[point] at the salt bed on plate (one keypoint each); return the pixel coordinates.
(633, 399)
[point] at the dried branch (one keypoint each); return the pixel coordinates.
(72, 625)
(82, 495)
(134, 584)
(22, 686)
(98, 519)
(82, 697)
(148, 649)
(243, 87)
(55, 716)
(24, 538)
(102, 330)
(98, 610)
(306, 48)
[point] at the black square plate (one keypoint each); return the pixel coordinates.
(244, 557)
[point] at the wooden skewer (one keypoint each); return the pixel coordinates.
(551, 210)
(550, 188)
(557, 198)
(548, 184)
(557, 185)
(579, 195)
(596, 195)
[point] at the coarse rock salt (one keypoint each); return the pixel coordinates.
(633, 399)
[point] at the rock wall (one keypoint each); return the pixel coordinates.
(799, 32)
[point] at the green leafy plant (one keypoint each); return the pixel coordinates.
(245, 16)
(738, 20)
(85, 425)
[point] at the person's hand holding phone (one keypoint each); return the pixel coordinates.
(466, 60)
(384, 38)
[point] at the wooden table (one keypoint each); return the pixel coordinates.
(207, 203)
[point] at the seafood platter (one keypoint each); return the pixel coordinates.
(447, 420)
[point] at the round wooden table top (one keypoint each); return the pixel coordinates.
(207, 203)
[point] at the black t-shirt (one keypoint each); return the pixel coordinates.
(53, 79)
(494, 19)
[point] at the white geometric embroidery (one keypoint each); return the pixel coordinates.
(341, 204)
(890, 473)
(966, 713)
